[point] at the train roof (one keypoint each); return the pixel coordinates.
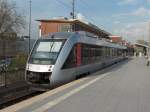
(66, 35)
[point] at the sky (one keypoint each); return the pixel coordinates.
(127, 18)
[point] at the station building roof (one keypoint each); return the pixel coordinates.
(142, 45)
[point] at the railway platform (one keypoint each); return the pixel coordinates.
(123, 87)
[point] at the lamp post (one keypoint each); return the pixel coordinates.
(4, 66)
(30, 2)
(73, 9)
(148, 53)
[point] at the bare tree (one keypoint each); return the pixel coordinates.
(10, 19)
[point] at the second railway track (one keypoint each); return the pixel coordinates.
(16, 93)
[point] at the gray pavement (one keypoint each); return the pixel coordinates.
(124, 87)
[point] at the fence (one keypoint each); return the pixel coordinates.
(2, 80)
(10, 77)
(13, 53)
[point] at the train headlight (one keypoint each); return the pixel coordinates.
(49, 69)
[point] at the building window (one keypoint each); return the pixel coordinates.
(65, 28)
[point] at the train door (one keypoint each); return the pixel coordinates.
(78, 55)
(78, 59)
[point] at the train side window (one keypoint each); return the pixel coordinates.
(85, 54)
(91, 54)
(71, 60)
(113, 52)
(101, 53)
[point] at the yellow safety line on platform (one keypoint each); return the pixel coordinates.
(50, 104)
(26, 103)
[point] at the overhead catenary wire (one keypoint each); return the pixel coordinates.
(86, 10)
(68, 6)
(86, 7)
(64, 4)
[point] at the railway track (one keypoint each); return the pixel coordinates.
(20, 92)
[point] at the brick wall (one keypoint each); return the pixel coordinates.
(46, 28)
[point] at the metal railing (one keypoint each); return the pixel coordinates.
(2, 81)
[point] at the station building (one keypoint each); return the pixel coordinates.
(69, 25)
(116, 38)
(141, 49)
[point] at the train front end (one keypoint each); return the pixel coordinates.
(41, 62)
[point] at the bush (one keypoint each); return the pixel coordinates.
(19, 62)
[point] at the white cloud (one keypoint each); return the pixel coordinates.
(140, 12)
(116, 22)
(133, 31)
(126, 2)
(148, 1)
(80, 17)
(132, 25)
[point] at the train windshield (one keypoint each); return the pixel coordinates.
(46, 52)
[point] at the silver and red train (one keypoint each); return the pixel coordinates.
(62, 57)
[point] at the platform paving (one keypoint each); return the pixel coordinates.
(125, 87)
